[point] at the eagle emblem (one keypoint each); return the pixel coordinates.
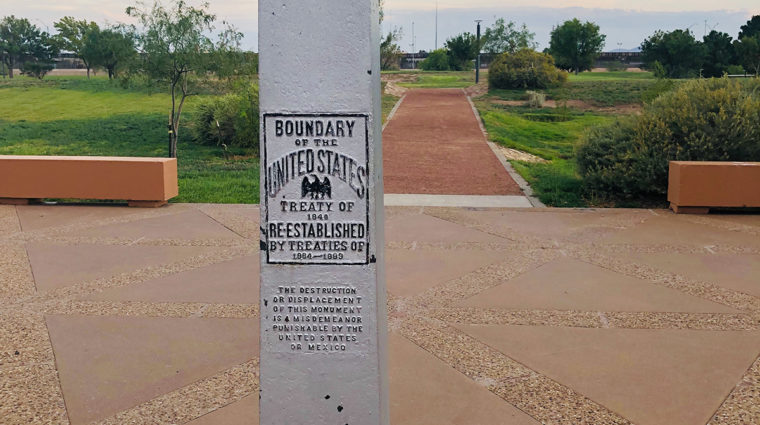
(316, 189)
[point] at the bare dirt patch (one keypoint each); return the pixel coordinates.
(395, 90)
(625, 109)
(515, 155)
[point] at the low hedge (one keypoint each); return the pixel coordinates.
(525, 69)
(700, 120)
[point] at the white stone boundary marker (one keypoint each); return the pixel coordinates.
(323, 303)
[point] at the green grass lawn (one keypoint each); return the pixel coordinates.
(548, 134)
(74, 116)
(434, 80)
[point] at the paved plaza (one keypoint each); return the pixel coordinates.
(111, 315)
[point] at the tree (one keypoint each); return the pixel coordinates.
(719, 54)
(111, 49)
(748, 53)
(437, 60)
(504, 37)
(678, 51)
(462, 50)
(390, 51)
(575, 45)
(176, 49)
(751, 29)
(21, 43)
(71, 36)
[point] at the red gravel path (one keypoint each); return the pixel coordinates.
(434, 145)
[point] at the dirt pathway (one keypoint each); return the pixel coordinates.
(434, 145)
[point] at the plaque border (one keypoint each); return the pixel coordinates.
(264, 227)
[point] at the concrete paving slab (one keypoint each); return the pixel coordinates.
(465, 201)
(426, 229)
(108, 364)
(737, 272)
(425, 391)
(569, 284)
(185, 225)
(410, 272)
(230, 282)
(670, 229)
(243, 412)
(58, 266)
(652, 377)
(551, 223)
(36, 217)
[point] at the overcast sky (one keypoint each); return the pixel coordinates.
(624, 25)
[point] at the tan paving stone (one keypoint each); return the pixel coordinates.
(426, 229)
(737, 272)
(410, 272)
(109, 364)
(243, 412)
(16, 278)
(426, 391)
(651, 377)
(57, 266)
(186, 225)
(673, 230)
(23, 339)
(547, 224)
(31, 395)
(9, 221)
(242, 219)
(569, 284)
(36, 217)
(195, 400)
(230, 282)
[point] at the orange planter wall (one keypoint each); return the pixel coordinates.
(138, 179)
(714, 184)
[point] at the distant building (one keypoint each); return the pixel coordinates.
(627, 59)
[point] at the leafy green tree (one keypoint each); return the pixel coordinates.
(678, 52)
(111, 49)
(21, 43)
(390, 51)
(437, 60)
(748, 53)
(71, 36)
(505, 36)
(575, 45)
(462, 50)
(751, 29)
(719, 54)
(177, 49)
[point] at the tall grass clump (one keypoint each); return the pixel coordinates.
(700, 120)
(231, 120)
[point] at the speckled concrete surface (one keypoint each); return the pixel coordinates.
(504, 316)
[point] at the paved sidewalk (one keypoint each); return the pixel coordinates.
(434, 145)
(112, 315)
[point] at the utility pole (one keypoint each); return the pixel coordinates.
(414, 51)
(436, 24)
(477, 61)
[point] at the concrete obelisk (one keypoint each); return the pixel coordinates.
(323, 305)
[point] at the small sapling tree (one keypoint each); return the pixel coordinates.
(176, 48)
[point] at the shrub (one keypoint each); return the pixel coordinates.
(438, 60)
(535, 99)
(735, 70)
(36, 69)
(701, 120)
(231, 120)
(526, 69)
